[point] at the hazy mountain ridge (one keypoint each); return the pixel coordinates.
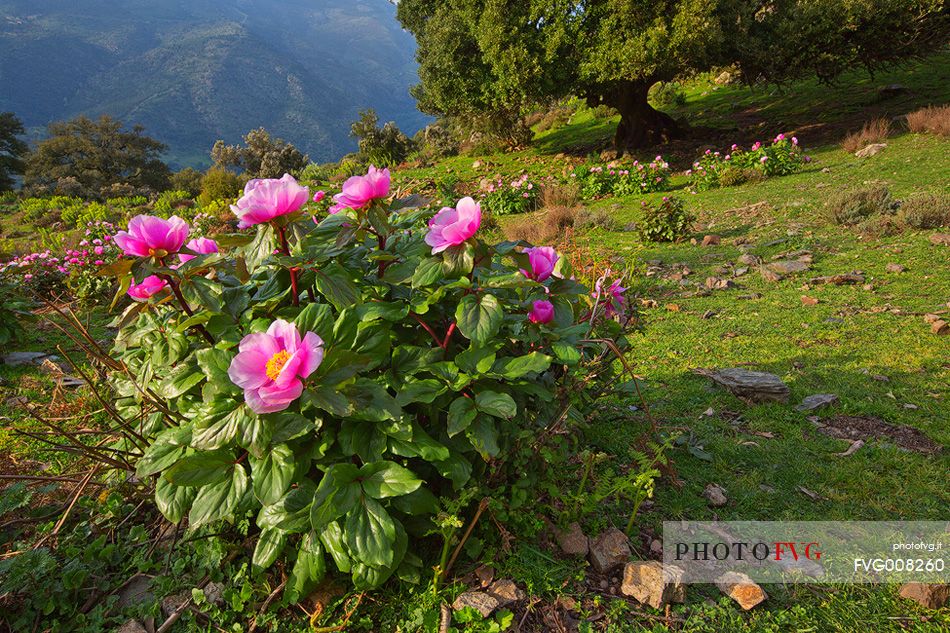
(193, 72)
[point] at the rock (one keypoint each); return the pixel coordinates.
(717, 283)
(573, 541)
(724, 78)
(135, 592)
(817, 401)
(891, 90)
(929, 596)
(505, 592)
(15, 359)
(940, 327)
(132, 626)
(712, 240)
(809, 301)
(838, 280)
(930, 318)
(214, 593)
(478, 600)
(749, 259)
(656, 547)
(171, 603)
(769, 275)
(871, 150)
(787, 267)
(609, 550)
(756, 386)
(70, 381)
(741, 588)
(653, 583)
(477, 164)
(715, 495)
(16, 401)
(739, 272)
(940, 239)
(895, 268)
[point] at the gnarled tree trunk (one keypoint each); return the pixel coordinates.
(640, 124)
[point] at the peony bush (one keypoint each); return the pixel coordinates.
(335, 377)
(622, 180)
(781, 157)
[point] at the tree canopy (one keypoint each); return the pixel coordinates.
(12, 149)
(501, 56)
(88, 157)
(261, 156)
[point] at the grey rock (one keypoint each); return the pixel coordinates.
(749, 259)
(871, 150)
(136, 591)
(715, 495)
(769, 275)
(895, 268)
(817, 401)
(478, 600)
(214, 593)
(573, 541)
(132, 626)
(171, 603)
(838, 280)
(15, 359)
(739, 272)
(609, 550)
(505, 591)
(653, 583)
(787, 267)
(756, 386)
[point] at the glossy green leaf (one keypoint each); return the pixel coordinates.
(370, 534)
(462, 413)
(387, 479)
(479, 319)
(219, 501)
(500, 405)
(271, 476)
(270, 544)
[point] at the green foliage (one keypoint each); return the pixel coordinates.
(925, 211)
(668, 221)
(474, 622)
(849, 208)
(78, 216)
(622, 179)
(261, 156)
(506, 198)
(381, 146)
(13, 311)
(12, 149)
(431, 370)
(438, 140)
(219, 184)
(169, 202)
(188, 179)
(91, 156)
(666, 94)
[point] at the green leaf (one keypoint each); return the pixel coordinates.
(289, 426)
(201, 469)
(566, 353)
(457, 469)
(202, 291)
(425, 391)
(168, 447)
(428, 272)
(272, 475)
(366, 577)
(220, 500)
(270, 544)
(218, 423)
(317, 318)
(500, 405)
(292, 513)
(309, 569)
(361, 438)
(173, 501)
(215, 363)
(327, 398)
(484, 437)
(462, 413)
(516, 367)
(337, 494)
(476, 360)
(180, 380)
(370, 533)
(235, 301)
(479, 319)
(458, 260)
(333, 282)
(421, 502)
(387, 479)
(332, 539)
(255, 434)
(372, 402)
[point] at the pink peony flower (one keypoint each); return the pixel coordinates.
(541, 312)
(615, 301)
(359, 191)
(149, 287)
(269, 198)
(271, 366)
(451, 227)
(200, 245)
(794, 141)
(542, 260)
(319, 196)
(764, 159)
(149, 236)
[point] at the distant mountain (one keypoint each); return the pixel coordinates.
(193, 71)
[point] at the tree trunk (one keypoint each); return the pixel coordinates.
(640, 125)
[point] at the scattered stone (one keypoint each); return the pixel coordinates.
(656, 547)
(718, 283)
(505, 591)
(132, 626)
(712, 240)
(478, 600)
(892, 90)
(739, 272)
(485, 575)
(851, 450)
(931, 318)
(214, 593)
(787, 267)
(15, 359)
(940, 239)
(769, 275)
(839, 280)
(751, 296)
(809, 301)
(609, 550)
(477, 164)
(70, 381)
(749, 259)
(742, 589)
(708, 314)
(135, 591)
(653, 583)
(871, 150)
(756, 386)
(573, 541)
(940, 327)
(715, 495)
(817, 401)
(16, 401)
(724, 78)
(895, 268)
(826, 170)
(926, 595)
(171, 604)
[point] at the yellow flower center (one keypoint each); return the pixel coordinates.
(276, 363)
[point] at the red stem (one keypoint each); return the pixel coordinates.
(448, 336)
(428, 329)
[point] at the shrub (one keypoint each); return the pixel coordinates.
(875, 131)
(599, 218)
(622, 179)
(931, 120)
(170, 201)
(668, 221)
(188, 179)
(667, 94)
(81, 215)
(417, 375)
(382, 146)
(219, 184)
(505, 198)
(925, 211)
(551, 225)
(849, 208)
(439, 140)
